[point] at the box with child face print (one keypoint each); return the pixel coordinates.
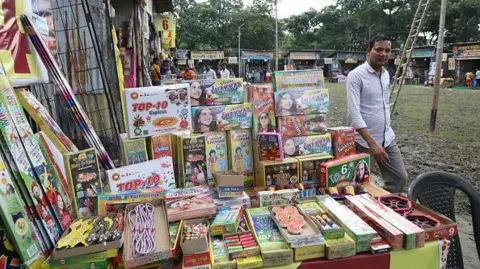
(240, 154)
(302, 125)
(192, 160)
(216, 152)
(301, 102)
(263, 109)
(222, 118)
(224, 91)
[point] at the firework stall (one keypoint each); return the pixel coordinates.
(213, 173)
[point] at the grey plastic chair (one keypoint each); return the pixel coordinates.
(436, 190)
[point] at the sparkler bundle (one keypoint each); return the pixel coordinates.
(67, 95)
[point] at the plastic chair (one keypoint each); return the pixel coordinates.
(436, 190)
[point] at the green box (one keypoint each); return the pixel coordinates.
(226, 221)
(354, 169)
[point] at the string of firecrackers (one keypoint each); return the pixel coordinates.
(67, 95)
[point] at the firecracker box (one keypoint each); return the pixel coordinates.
(250, 262)
(414, 236)
(226, 220)
(157, 110)
(189, 203)
(195, 245)
(278, 197)
(310, 167)
(106, 263)
(301, 102)
(229, 184)
(160, 146)
(389, 233)
(156, 173)
(278, 173)
(243, 200)
(109, 202)
(354, 226)
(192, 161)
(306, 145)
(340, 248)
(222, 118)
(216, 153)
(447, 229)
(302, 125)
(270, 146)
(223, 91)
(240, 154)
(307, 253)
(175, 231)
(263, 109)
(106, 254)
(312, 209)
(197, 259)
(304, 79)
(275, 251)
(343, 141)
(219, 254)
(354, 169)
(133, 150)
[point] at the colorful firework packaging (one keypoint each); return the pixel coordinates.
(263, 109)
(306, 145)
(84, 175)
(310, 167)
(222, 118)
(157, 173)
(343, 141)
(157, 110)
(216, 151)
(270, 147)
(222, 91)
(240, 154)
(160, 146)
(134, 150)
(193, 161)
(291, 80)
(278, 173)
(302, 125)
(189, 203)
(354, 169)
(301, 102)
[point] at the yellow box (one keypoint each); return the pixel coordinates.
(250, 262)
(340, 248)
(277, 173)
(311, 252)
(309, 167)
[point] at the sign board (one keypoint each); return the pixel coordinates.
(164, 23)
(181, 54)
(444, 57)
(168, 40)
(353, 56)
(451, 63)
(298, 55)
(423, 53)
(467, 52)
(288, 67)
(206, 55)
(182, 62)
(328, 60)
(257, 55)
(232, 60)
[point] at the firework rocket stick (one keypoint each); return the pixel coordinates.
(67, 95)
(84, 61)
(67, 50)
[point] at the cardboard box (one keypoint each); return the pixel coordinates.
(106, 254)
(414, 237)
(302, 125)
(312, 209)
(197, 259)
(301, 102)
(116, 202)
(354, 226)
(340, 248)
(162, 238)
(243, 201)
(175, 231)
(192, 160)
(226, 220)
(270, 146)
(244, 252)
(354, 169)
(310, 167)
(447, 229)
(223, 91)
(263, 109)
(133, 150)
(343, 141)
(305, 145)
(216, 153)
(189, 203)
(307, 253)
(241, 154)
(389, 233)
(280, 197)
(160, 146)
(219, 252)
(198, 245)
(157, 173)
(278, 173)
(222, 118)
(229, 184)
(85, 265)
(304, 79)
(310, 236)
(250, 262)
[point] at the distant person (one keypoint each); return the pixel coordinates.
(368, 94)
(188, 74)
(174, 68)
(468, 78)
(164, 68)
(156, 72)
(210, 73)
(477, 77)
(232, 74)
(224, 73)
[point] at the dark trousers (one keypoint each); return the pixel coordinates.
(393, 172)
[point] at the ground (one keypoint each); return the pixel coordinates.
(453, 147)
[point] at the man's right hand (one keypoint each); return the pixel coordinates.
(379, 153)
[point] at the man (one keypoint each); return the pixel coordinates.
(156, 72)
(164, 68)
(210, 73)
(224, 73)
(477, 77)
(188, 74)
(368, 95)
(174, 68)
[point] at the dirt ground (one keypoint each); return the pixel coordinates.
(453, 147)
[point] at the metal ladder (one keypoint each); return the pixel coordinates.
(415, 29)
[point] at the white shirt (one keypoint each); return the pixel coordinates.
(211, 74)
(224, 73)
(368, 96)
(477, 75)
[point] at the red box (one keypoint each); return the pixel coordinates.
(197, 259)
(447, 229)
(343, 141)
